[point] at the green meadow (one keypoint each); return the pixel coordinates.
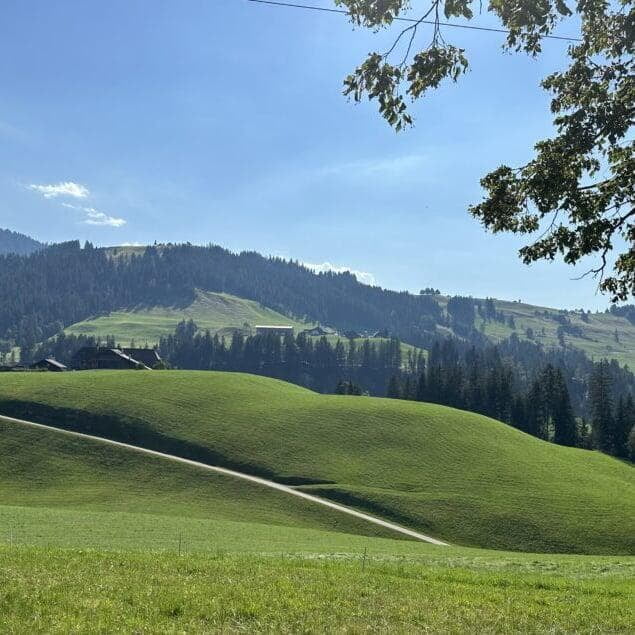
(48, 590)
(213, 311)
(457, 476)
(96, 538)
(596, 337)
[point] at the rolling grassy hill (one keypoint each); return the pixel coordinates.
(455, 475)
(50, 479)
(218, 312)
(213, 311)
(95, 538)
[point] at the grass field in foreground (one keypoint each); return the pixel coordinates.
(50, 590)
(457, 476)
(96, 538)
(213, 311)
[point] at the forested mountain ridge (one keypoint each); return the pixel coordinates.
(16, 243)
(45, 292)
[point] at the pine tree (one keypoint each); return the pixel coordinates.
(602, 408)
(624, 422)
(341, 388)
(537, 410)
(394, 388)
(421, 388)
(565, 429)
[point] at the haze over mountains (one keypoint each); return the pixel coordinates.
(16, 243)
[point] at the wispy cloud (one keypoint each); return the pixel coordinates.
(386, 167)
(95, 217)
(363, 276)
(65, 189)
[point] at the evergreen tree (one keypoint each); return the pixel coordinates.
(394, 388)
(341, 388)
(565, 429)
(624, 422)
(421, 387)
(602, 408)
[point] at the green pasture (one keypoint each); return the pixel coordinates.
(454, 475)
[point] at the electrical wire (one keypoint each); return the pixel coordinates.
(308, 7)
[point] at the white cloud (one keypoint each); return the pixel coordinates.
(95, 217)
(363, 276)
(67, 188)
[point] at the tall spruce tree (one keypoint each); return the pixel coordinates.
(624, 423)
(564, 424)
(394, 388)
(600, 395)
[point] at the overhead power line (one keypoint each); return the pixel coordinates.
(308, 7)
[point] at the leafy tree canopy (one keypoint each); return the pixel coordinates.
(575, 198)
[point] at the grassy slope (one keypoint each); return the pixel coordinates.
(456, 475)
(598, 334)
(218, 311)
(250, 575)
(53, 591)
(43, 473)
(214, 311)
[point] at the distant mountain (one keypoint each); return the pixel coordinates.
(56, 287)
(15, 243)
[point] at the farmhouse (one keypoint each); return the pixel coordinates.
(147, 356)
(49, 364)
(98, 358)
(274, 330)
(319, 331)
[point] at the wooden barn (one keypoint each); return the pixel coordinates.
(50, 364)
(100, 358)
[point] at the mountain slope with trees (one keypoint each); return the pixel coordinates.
(49, 291)
(16, 243)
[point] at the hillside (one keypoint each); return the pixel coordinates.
(55, 475)
(595, 334)
(218, 312)
(452, 474)
(16, 243)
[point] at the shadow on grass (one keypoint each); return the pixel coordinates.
(137, 432)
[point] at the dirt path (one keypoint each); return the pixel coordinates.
(246, 477)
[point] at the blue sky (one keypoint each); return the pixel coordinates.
(223, 121)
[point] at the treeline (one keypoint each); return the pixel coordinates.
(44, 292)
(484, 382)
(16, 243)
(314, 363)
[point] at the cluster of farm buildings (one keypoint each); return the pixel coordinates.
(98, 358)
(104, 358)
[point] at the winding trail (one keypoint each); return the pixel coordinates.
(246, 477)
